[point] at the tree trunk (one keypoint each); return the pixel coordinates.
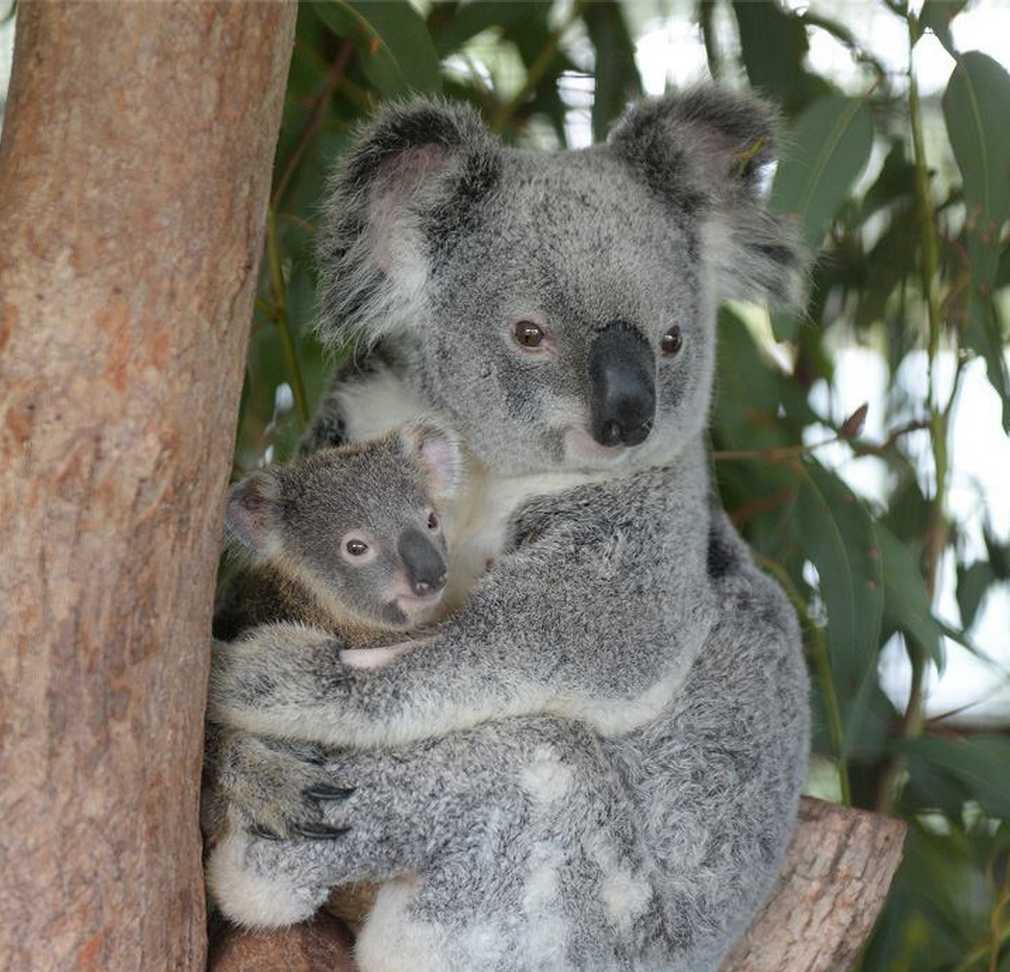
(134, 174)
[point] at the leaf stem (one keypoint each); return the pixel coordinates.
(936, 530)
(280, 309)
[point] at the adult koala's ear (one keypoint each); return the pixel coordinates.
(250, 518)
(702, 151)
(410, 181)
(440, 453)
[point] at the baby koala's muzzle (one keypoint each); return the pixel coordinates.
(423, 561)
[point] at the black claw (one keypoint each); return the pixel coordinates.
(257, 831)
(326, 791)
(312, 831)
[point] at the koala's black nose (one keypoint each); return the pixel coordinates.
(424, 562)
(622, 380)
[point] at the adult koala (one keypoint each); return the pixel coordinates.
(595, 765)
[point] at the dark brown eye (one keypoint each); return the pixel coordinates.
(432, 521)
(356, 547)
(528, 334)
(672, 341)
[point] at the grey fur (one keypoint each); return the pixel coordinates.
(595, 764)
(298, 585)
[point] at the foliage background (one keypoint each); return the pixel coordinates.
(907, 201)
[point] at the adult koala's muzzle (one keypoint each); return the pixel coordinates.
(622, 385)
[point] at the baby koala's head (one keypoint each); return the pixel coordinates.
(360, 526)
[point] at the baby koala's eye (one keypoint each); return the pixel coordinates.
(672, 341)
(433, 520)
(356, 548)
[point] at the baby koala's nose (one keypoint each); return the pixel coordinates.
(424, 563)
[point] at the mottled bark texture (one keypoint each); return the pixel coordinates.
(835, 882)
(134, 175)
(320, 945)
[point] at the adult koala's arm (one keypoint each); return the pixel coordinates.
(596, 615)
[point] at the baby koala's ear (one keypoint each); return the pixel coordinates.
(250, 516)
(440, 452)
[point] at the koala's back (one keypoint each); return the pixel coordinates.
(740, 725)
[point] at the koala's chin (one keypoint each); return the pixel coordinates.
(582, 451)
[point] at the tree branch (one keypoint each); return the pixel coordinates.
(837, 875)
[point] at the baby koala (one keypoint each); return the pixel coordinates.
(347, 545)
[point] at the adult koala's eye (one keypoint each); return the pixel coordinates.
(672, 341)
(528, 335)
(432, 521)
(356, 548)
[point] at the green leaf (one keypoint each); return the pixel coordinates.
(837, 534)
(936, 16)
(827, 149)
(975, 107)
(948, 772)
(391, 39)
(617, 79)
(774, 46)
(972, 584)
(450, 32)
(906, 602)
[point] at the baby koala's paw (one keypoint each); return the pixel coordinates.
(275, 789)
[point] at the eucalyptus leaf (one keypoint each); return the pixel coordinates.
(975, 107)
(838, 535)
(906, 601)
(774, 46)
(973, 768)
(826, 151)
(392, 40)
(936, 15)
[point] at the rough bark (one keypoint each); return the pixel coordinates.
(835, 882)
(134, 173)
(832, 888)
(321, 945)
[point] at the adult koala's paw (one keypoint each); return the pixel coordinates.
(382, 817)
(275, 789)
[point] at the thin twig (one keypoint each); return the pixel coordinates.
(791, 452)
(315, 121)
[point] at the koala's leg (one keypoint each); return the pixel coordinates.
(248, 783)
(508, 848)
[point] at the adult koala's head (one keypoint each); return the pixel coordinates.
(558, 308)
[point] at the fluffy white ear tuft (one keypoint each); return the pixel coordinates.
(440, 452)
(705, 152)
(250, 515)
(410, 179)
